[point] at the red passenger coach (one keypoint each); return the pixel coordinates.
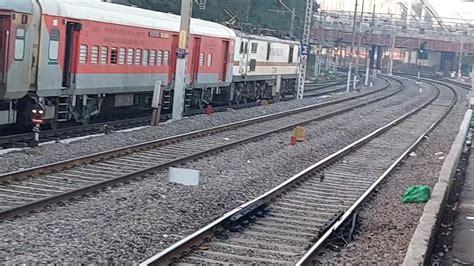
(110, 56)
(91, 57)
(77, 59)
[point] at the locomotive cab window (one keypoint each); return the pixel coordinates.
(20, 44)
(292, 51)
(242, 44)
(254, 48)
(54, 45)
(269, 49)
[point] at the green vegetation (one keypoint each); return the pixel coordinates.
(251, 14)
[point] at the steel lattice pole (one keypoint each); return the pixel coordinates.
(305, 46)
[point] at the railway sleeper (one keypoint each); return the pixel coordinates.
(243, 218)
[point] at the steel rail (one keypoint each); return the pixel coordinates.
(173, 139)
(170, 254)
(95, 128)
(306, 259)
(19, 175)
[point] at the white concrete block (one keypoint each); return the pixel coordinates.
(187, 177)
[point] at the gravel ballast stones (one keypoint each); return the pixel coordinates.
(134, 221)
(387, 224)
(62, 151)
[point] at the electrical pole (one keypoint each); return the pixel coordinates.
(292, 25)
(181, 61)
(392, 50)
(351, 56)
(461, 51)
(367, 67)
(359, 43)
(305, 48)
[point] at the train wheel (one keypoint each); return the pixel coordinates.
(237, 98)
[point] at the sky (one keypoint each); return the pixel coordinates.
(454, 8)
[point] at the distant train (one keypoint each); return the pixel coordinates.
(77, 59)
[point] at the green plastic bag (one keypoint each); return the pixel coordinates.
(417, 194)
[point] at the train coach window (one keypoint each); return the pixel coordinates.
(138, 57)
(209, 60)
(153, 57)
(130, 54)
(95, 54)
(20, 44)
(104, 55)
(201, 59)
(159, 58)
(113, 56)
(166, 58)
(122, 53)
(146, 57)
(54, 44)
(83, 54)
(254, 48)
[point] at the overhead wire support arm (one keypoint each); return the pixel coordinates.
(305, 48)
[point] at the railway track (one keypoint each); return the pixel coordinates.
(30, 189)
(459, 84)
(291, 223)
(24, 139)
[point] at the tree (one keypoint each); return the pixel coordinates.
(258, 13)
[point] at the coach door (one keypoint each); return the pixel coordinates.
(225, 56)
(197, 59)
(5, 23)
(71, 52)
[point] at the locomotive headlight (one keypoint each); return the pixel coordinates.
(34, 111)
(41, 112)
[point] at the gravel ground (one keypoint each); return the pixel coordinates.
(387, 225)
(62, 151)
(131, 223)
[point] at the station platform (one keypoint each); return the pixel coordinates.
(462, 252)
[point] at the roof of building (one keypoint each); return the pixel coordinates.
(96, 10)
